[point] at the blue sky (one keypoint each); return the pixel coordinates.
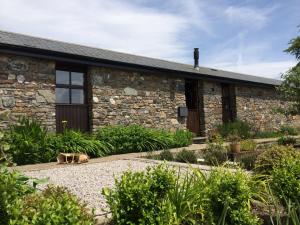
(243, 36)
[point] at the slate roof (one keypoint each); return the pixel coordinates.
(30, 42)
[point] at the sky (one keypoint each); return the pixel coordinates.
(246, 36)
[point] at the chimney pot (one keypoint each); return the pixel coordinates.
(196, 58)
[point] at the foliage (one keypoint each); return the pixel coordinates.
(229, 196)
(233, 138)
(54, 205)
(248, 145)
(289, 88)
(286, 140)
(288, 130)
(248, 161)
(186, 156)
(166, 155)
(135, 138)
(286, 179)
(139, 197)
(4, 148)
(28, 142)
(13, 186)
(77, 142)
(216, 152)
(272, 157)
(267, 134)
(240, 128)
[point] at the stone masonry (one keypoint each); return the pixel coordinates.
(127, 97)
(27, 87)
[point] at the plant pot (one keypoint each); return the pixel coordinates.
(235, 147)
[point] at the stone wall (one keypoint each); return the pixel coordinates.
(27, 87)
(212, 102)
(127, 97)
(257, 105)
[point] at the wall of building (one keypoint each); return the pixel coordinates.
(127, 97)
(257, 105)
(27, 87)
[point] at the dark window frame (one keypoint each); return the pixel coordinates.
(71, 86)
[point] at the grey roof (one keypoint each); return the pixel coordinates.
(20, 40)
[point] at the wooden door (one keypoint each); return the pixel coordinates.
(228, 103)
(71, 100)
(192, 103)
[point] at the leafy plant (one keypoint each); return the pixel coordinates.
(77, 142)
(13, 186)
(54, 205)
(166, 155)
(182, 138)
(267, 134)
(288, 130)
(286, 180)
(286, 140)
(248, 145)
(216, 152)
(240, 128)
(229, 196)
(186, 156)
(272, 157)
(28, 142)
(140, 197)
(248, 161)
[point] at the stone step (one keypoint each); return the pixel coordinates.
(199, 140)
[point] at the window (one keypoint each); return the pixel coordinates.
(69, 87)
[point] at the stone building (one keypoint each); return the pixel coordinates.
(55, 81)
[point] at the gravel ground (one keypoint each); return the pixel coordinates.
(87, 180)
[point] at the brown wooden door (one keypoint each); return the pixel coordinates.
(228, 103)
(71, 100)
(192, 103)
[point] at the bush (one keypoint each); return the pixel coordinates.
(77, 142)
(288, 130)
(286, 140)
(216, 152)
(267, 134)
(13, 186)
(135, 138)
(272, 157)
(166, 155)
(28, 142)
(286, 180)
(54, 205)
(229, 195)
(186, 156)
(139, 197)
(248, 161)
(240, 128)
(248, 145)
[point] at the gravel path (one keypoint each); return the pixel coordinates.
(87, 180)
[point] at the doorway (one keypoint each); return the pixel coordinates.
(228, 103)
(71, 99)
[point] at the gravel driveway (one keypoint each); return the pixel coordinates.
(87, 180)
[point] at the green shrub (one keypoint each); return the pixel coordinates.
(77, 142)
(135, 138)
(286, 140)
(54, 205)
(28, 142)
(140, 197)
(237, 127)
(286, 180)
(272, 157)
(166, 155)
(248, 161)
(186, 156)
(216, 152)
(229, 195)
(267, 134)
(248, 145)
(288, 130)
(13, 186)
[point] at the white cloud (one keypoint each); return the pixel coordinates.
(262, 69)
(247, 16)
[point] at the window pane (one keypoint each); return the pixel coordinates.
(62, 95)
(77, 78)
(62, 77)
(77, 96)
